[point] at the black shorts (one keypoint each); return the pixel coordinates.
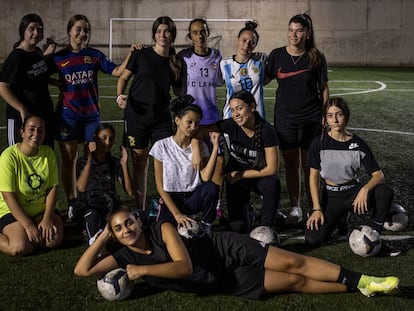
(138, 134)
(9, 219)
(244, 261)
(6, 220)
(294, 135)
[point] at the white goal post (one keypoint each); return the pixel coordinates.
(124, 31)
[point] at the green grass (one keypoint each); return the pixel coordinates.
(383, 118)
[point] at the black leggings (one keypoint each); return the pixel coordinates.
(238, 198)
(336, 204)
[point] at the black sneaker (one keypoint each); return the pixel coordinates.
(388, 250)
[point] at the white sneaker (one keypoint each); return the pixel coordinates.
(295, 215)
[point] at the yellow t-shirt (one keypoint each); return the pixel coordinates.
(28, 177)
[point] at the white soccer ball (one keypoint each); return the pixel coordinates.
(364, 241)
(397, 218)
(115, 285)
(189, 232)
(265, 235)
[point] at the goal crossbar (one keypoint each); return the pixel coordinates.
(146, 19)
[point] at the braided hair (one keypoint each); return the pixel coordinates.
(260, 160)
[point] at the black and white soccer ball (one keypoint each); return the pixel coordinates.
(397, 218)
(189, 232)
(266, 235)
(364, 241)
(115, 285)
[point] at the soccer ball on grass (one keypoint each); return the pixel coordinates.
(364, 241)
(265, 235)
(189, 232)
(397, 218)
(115, 285)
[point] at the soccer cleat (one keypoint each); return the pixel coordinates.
(93, 239)
(280, 215)
(388, 250)
(295, 215)
(370, 285)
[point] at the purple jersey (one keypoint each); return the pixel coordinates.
(79, 71)
(203, 75)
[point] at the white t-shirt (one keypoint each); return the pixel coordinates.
(177, 171)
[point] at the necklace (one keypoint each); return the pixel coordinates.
(297, 58)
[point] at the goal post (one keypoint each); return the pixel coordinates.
(124, 31)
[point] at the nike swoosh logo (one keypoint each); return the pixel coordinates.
(65, 63)
(284, 75)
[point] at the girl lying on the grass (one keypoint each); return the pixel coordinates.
(225, 262)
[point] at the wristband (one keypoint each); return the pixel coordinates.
(117, 98)
(316, 210)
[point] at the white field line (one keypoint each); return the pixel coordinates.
(381, 131)
(382, 86)
(286, 236)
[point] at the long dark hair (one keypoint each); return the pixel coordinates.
(260, 160)
(337, 102)
(315, 56)
(25, 21)
(175, 62)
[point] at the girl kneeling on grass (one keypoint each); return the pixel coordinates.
(184, 190)
(336, 157)
(28, 186)
(224, 262)
(253, 162)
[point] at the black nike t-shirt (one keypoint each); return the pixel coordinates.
(297, 95)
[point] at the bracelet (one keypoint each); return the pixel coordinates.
(117, 97)
(316, 210)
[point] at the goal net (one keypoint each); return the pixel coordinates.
(125, 31)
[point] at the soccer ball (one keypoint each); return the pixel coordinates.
(189, 232)
(397, 218)
(115, 285)
(365, 241)
(265, 235)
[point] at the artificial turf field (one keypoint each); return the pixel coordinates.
(382, 112)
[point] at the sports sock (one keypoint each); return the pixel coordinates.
(349, 278)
